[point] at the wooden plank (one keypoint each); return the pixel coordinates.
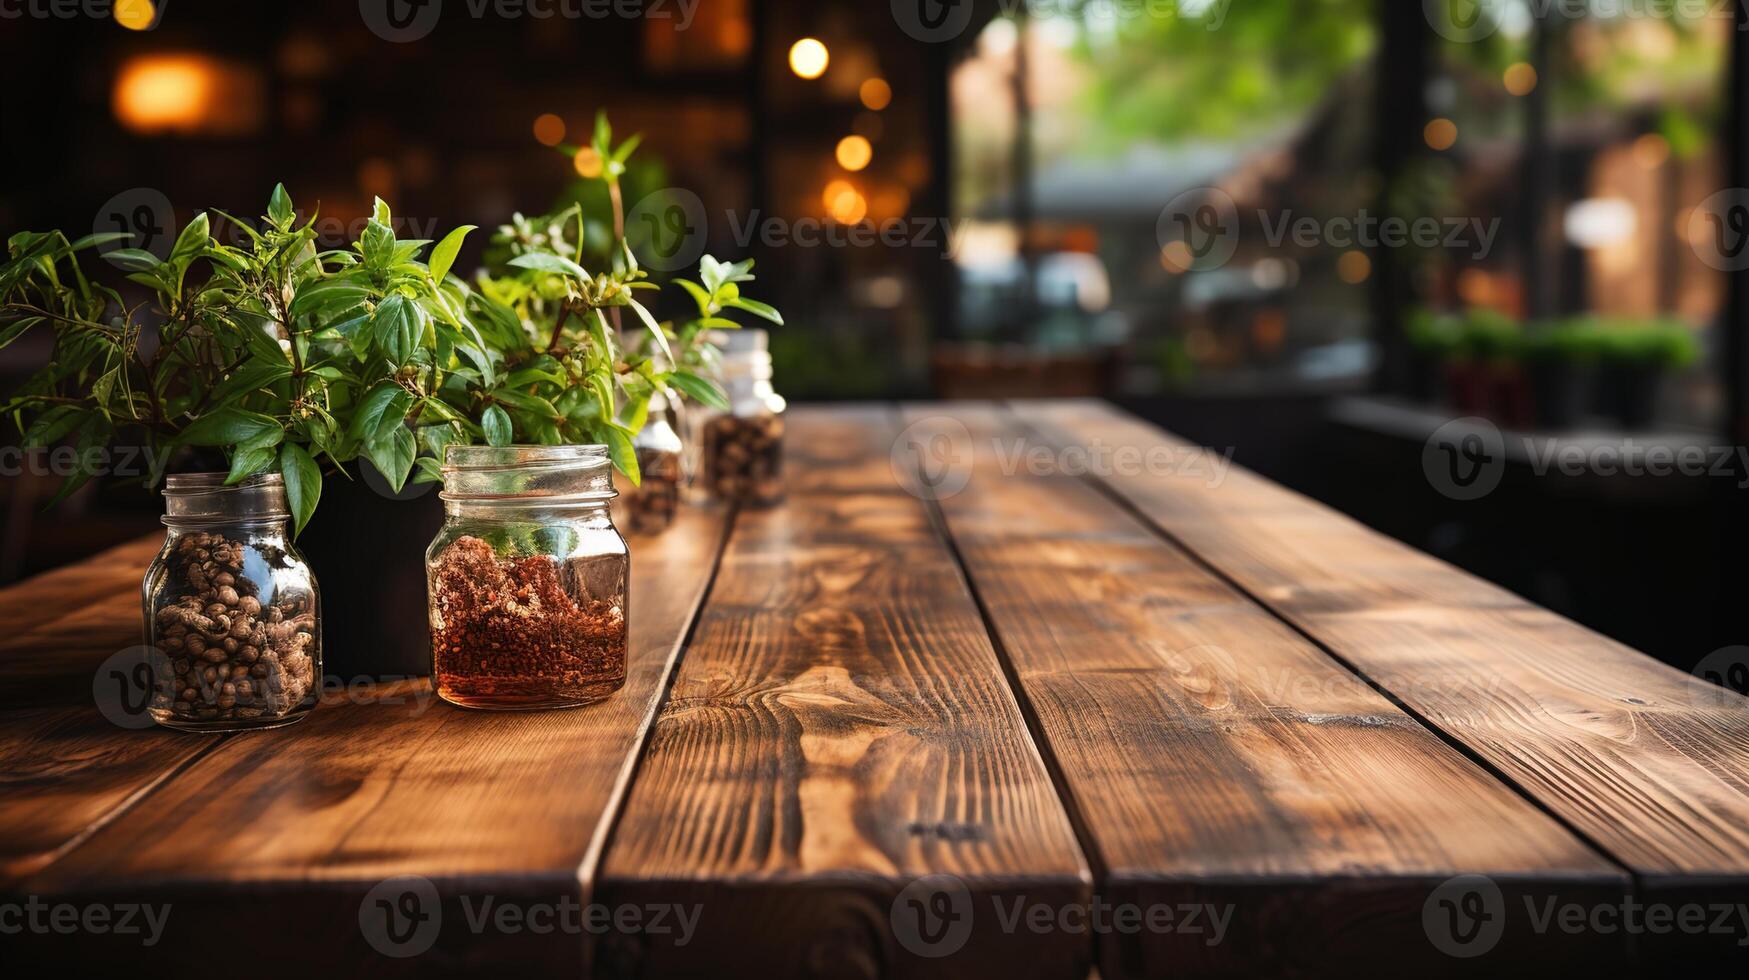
(277, 838)
(1220, 761)
(839, 732)
(66, 768)
(1610, 741)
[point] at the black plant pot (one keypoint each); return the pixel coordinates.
(1628, 393)
(368, 552)
(1561, 391)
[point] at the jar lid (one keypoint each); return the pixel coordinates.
(197, 498)
(547, 475)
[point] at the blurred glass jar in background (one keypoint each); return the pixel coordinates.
(742, 449)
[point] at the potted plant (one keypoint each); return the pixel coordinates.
(1433, 340)
(266, 354)
(1635, 359)
(1561, 361)
(1484, 376)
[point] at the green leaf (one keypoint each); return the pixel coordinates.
(526, 402)
(247, 463)
(393, 456)
(193, 241)
(699, 295)
(496, 422)
(134, 259)
(228, 427)
(443, 256)
(397, 325)
(377, 245)
(624, 455)
(699, 390)
(379, 211)
(556, 265)
(757, 308)
(279, 207)
(655, 329)
(382, 410)
(303, 483)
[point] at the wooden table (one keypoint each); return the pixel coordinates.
(1164, 718)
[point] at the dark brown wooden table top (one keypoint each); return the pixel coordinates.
(956, 709)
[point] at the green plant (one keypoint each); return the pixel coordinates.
(1653, 343)
(1436, 335)
(272, 351)
(1489, 335)
(569, 376)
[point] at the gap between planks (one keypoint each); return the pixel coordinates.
(1123, 502)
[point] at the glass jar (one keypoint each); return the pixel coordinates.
(743, 447)
(528, 579)
(653, 504)
(233, 615)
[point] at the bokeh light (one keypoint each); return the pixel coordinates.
(854, 153)
(136, 15)
(808, 58)
(876, 94)
(1441, 134)
(160, 92)
(549, 129)
(587, 162)
(1520, 79)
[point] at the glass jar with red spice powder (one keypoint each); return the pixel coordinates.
(528, 579)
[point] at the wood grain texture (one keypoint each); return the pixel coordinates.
(1611, 741)
(65, 769)
(1218, 760)
(295, 826)
(839, 728)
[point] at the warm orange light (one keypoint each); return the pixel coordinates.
(377, 178)
(1176, 258)
(808, 58)
(135, 15)
(876, 93)
(1354, 267)
(1520, 79)
(854, 153)
(1441, 134)
(549, 129)
(160, 92)
(587, 162)
(1651, 150)
(835, 189)
(848, 208)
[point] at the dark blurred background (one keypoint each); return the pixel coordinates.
(1020, 170)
